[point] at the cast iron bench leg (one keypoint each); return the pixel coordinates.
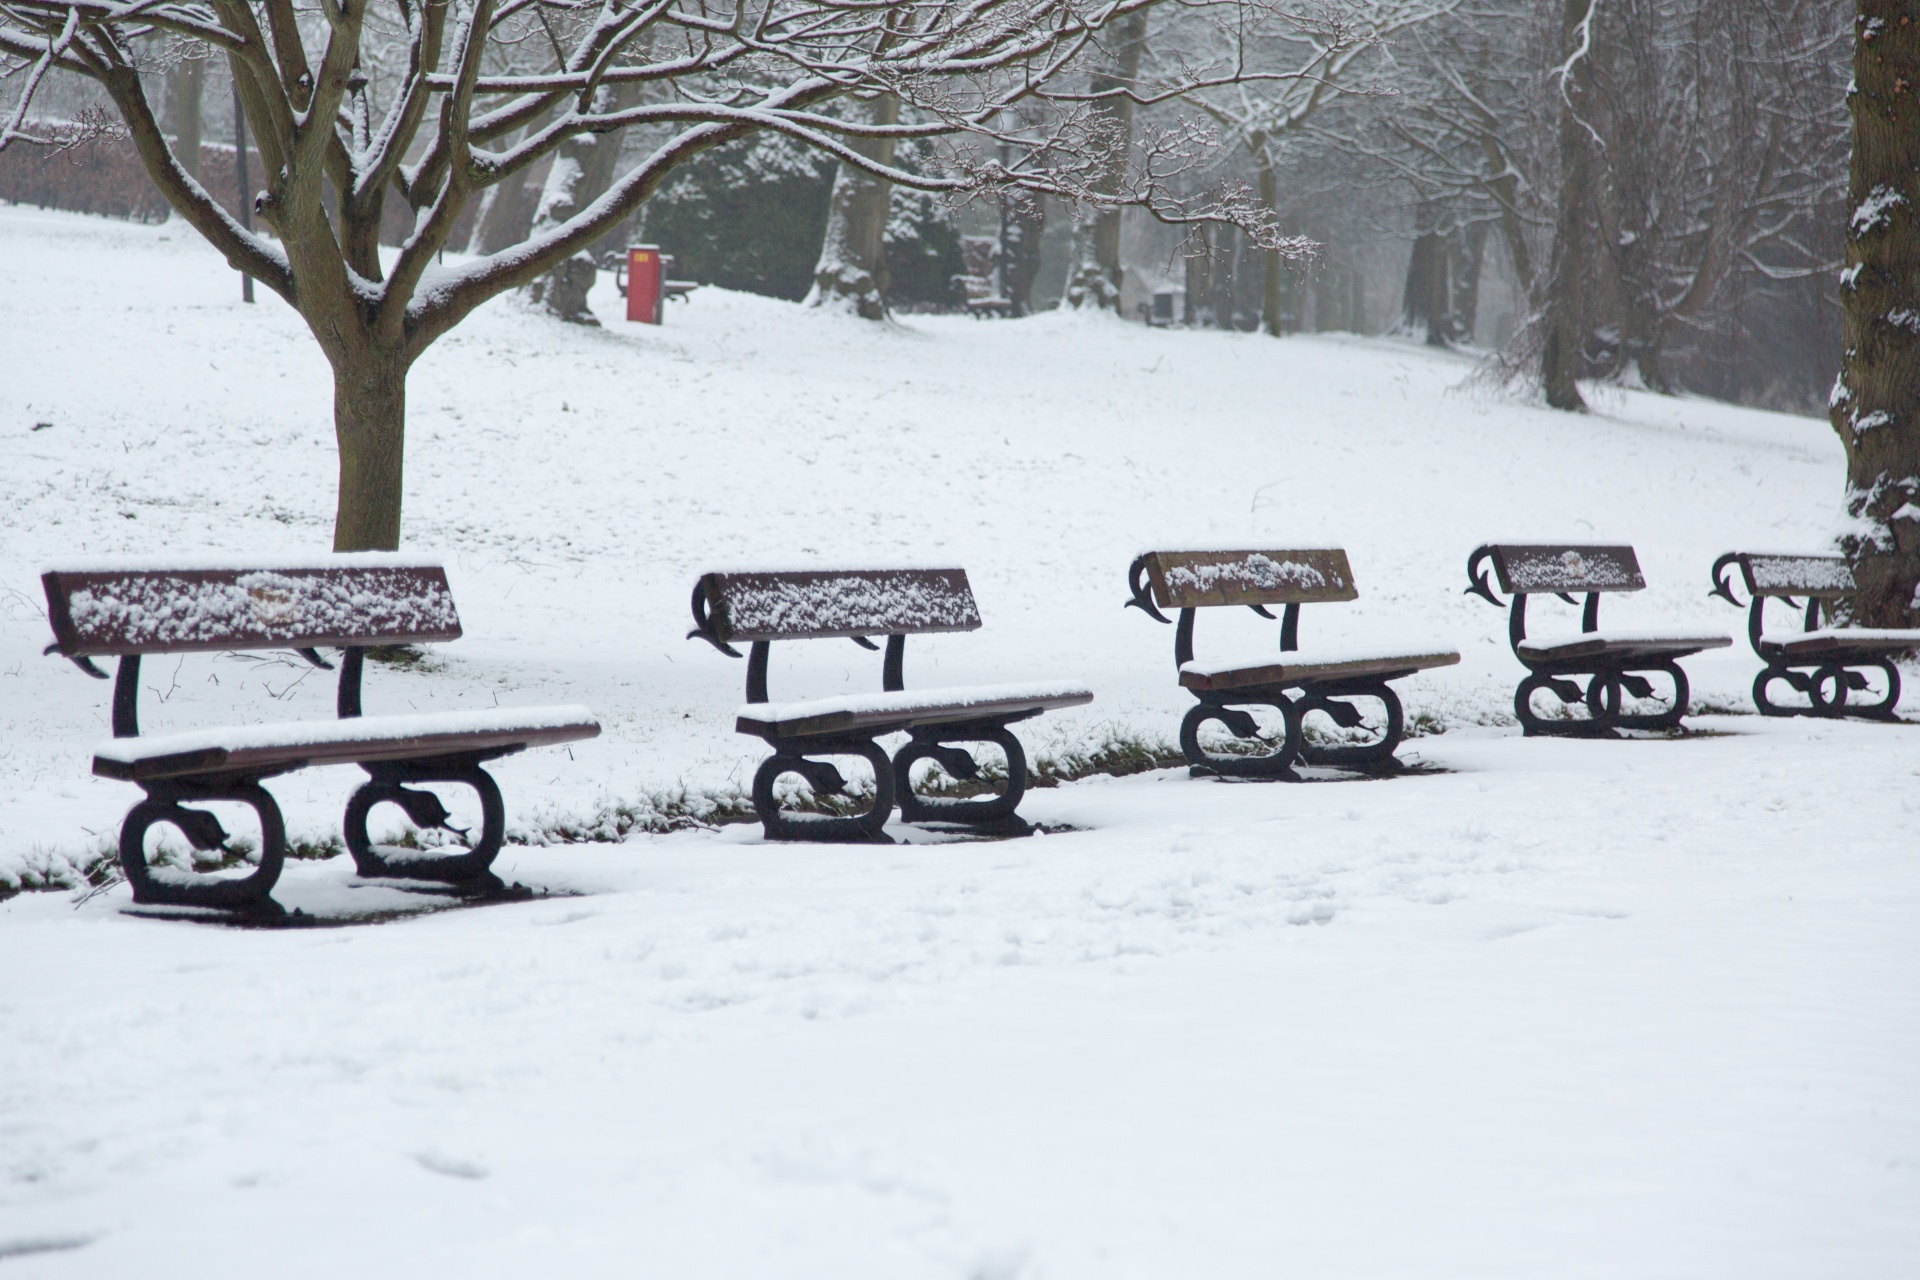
(1274, 764)
(929, 743)
(246, 894)
(1617, 684)
(387, 785)
(1348, 717)
(1563, 686)
(1831, 685)
(792, 756)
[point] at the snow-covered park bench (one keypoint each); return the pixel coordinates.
(1610, 661)
(1294, 681)
(761, 607)
(1828, 663)
(131, 609)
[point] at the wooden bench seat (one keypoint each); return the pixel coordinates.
(1304, 665)
(265, 749)
(1835, 642)
(129, 609)
(762, 606)
(1582, 646)
(1294, 681)
(1827, 664)
(1614, 663)
(888, 712)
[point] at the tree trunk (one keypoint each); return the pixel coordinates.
(1228, 251)
(1271, 283)
(1505, 190)
(1424, 303)
(1097, 276)
(184, 117)
(1467, 252)
(1021, 231)
(496, 221)
(1195, 305)
(1564, 321)
(581, 173)
(852, 272)
(1875, 406)
(369, 425)
(1329, 300)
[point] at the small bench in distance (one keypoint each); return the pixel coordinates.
(131, 609)
(762, 607)
(1612, 662)
(1826, 663)
(1294, 681)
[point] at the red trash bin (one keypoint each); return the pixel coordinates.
(644, 272)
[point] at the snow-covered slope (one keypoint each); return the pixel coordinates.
(1565, 1009)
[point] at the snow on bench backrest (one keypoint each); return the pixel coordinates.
(108, 609)
(819, 603)
(1196, 579)
(1526, 569)
(1825, 577)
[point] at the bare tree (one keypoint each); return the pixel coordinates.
(1876, 402)
(342, 129)
(1304, 62)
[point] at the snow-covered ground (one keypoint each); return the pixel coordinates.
(1645, 1008)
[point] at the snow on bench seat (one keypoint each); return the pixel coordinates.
(864, 712)
(1297, 666)
(358, 740)
(1623, 644)
(1841, 640)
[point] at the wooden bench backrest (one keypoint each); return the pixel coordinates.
(1817, 577)
(1198, 579)
(359, 599)
(815, 604)
(1529, 569)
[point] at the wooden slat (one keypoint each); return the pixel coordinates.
(120, 611)
(1197, 579)
(1822, 577)
(1525, 569)
(817, 604)
(1282, 672)
(898, 717)
(1662, 647)
(281, 757)
(1841, 643)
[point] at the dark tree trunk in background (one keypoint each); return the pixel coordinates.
(1564, 316)
(1466, 255)
(185, 91)
(1097, 274)
(581, 173)
(1225, 274)
(1426, 306)
(852, 272)
(1197, 306)
(1876, 402)
(1025, 224)
(1272, 266)
(1328, 290)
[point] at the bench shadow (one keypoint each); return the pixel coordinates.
(924, 833)
(348, 903)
